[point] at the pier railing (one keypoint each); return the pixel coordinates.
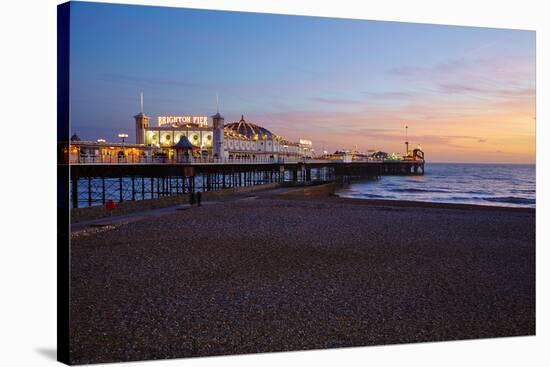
(175, 160)
(83, 159)
(189, 160)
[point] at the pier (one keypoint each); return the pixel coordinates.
(95, 183)
(187, 154)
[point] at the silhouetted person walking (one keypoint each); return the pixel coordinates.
(199, 198)
(192, 198)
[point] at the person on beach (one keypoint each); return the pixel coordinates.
(199, 197)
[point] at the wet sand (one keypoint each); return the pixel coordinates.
(273, 274)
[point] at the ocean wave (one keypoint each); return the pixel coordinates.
(495, 185)
(374, 196)
(416, 189)
(478, 192)
(496, 199)
(509, 199)
(366, 196)
(519, 191)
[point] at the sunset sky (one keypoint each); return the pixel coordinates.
(467, 94)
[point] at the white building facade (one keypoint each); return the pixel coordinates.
(214, 138)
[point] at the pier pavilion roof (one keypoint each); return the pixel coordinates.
(184, 144)
(228, 133)
(250, 130)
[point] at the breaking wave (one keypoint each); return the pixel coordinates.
(510, 199)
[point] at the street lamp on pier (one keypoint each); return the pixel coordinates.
(123, 136)
(407, 140)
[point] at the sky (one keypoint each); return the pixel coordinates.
(467, 94)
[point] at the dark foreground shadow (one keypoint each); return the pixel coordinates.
(50, 353)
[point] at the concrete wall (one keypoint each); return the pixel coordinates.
(127, 207)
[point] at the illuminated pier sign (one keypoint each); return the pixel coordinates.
(183, 120)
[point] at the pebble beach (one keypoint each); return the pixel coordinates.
(270, 274)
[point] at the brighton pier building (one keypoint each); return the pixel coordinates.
(215, 139)
(191, 138)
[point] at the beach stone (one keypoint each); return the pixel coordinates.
(269, 275)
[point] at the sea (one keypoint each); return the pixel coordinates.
(510, 185)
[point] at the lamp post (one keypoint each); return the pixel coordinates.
(407, 140)
(122, 136)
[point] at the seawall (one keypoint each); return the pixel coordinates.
(127, 207)
(316, 191)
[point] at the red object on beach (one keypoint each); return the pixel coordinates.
(110, 205)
